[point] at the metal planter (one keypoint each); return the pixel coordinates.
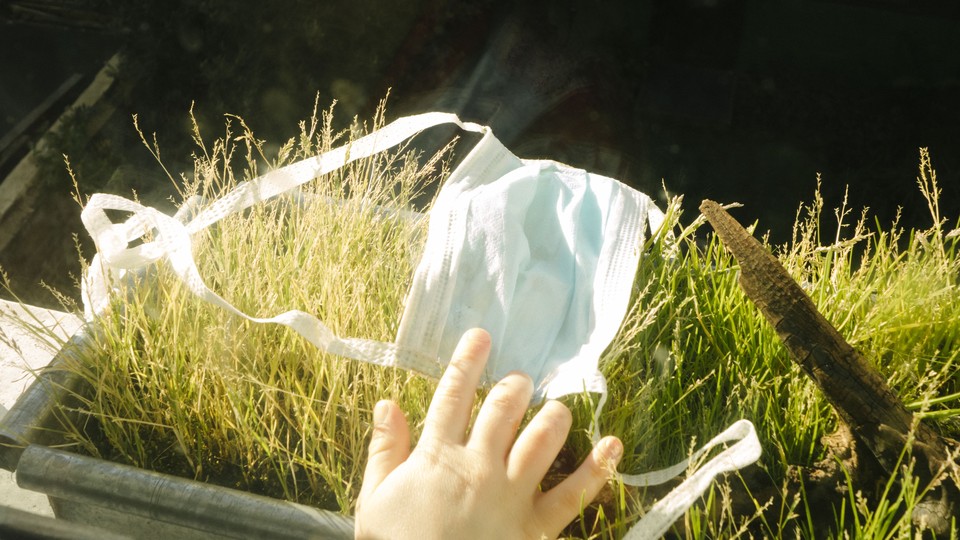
(132, 502)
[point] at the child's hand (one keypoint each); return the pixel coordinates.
(482, 484)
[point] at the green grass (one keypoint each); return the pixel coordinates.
(185, 388)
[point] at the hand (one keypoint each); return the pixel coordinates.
(482, 485)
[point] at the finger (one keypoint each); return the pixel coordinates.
(389, 445)
(539, 443)
(559, 506)
(500, 415)
(452, 403)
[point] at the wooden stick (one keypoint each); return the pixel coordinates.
(860, 395)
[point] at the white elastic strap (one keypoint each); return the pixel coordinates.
(745, 451)
(667, 510)
(171, 237)
(284, 179)
(171, 240)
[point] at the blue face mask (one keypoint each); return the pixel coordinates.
(539, 254)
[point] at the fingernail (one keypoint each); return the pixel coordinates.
(380, 412)
(522, 374)
(614, 450)
(477, 334)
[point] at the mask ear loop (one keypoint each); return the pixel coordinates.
(669, 508)
(595, 423)
(745, 451)
(172, 237)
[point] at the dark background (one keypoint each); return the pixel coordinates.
(734, 100)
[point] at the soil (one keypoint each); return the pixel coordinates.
(44, 252)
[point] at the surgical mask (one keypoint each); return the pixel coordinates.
(539, 254)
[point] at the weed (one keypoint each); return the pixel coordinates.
(186, 388)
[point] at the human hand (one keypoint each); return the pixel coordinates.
(479, 485)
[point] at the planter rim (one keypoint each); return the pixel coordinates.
(30, 428)
(33, 418)
(162, 497)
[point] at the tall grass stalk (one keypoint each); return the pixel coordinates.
(694, 355)
(185, 388)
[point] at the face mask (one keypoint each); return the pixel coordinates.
(539, 254)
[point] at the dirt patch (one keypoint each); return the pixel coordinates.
(44, 252)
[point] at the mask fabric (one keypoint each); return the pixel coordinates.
(539, 254)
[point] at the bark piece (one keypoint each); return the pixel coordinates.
(856, 390)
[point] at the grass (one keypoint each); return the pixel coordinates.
(183, 387)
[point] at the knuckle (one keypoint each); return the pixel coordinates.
(452, 384)
(502, 398)
(558, 413)
(431, 452)
(553, 423)
(455, 374)
(556, 431)
(597, 472)
(572, 499)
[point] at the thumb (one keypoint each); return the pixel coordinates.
(389, 445)
(559, 506)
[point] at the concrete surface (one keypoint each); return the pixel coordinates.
(28, 340)
(16, 188)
